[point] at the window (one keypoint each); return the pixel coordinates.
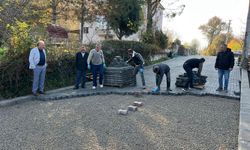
(85, 29)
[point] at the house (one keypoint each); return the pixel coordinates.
(94, 32)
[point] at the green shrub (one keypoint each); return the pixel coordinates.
(148, 37)
(112, 48)
(16, 77)
(161, 39)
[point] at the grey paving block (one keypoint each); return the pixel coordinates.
(122, 111)
(132, 108)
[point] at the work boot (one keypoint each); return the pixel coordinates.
(219, 89)
(35, 94)
(41, 92)
(168, 90)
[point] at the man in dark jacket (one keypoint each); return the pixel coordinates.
(81, 67)
(138, 63)
(188, 66)
(160, 70)
(224, 64)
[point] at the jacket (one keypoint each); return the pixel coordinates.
(224, 60)
(81, 62)
(96, 58)
(34, 58)
(137, 59)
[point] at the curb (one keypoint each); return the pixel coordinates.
(15, 101)
(133, 94)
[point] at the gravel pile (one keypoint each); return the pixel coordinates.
(92, 123)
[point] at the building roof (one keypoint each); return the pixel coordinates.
(56, 31)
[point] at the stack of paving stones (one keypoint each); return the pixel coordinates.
(182, 79)
(131, 108)
(119, 74)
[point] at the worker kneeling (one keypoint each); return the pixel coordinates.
(160, 70)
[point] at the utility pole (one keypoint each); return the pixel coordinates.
(228, 29)
(246, 48)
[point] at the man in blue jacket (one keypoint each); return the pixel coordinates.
(224, 64)
(81, 67)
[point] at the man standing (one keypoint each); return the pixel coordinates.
(37, 62)
(138, 63)
(81, 67)
(224, 64)
(188, 66)
(96, 63)
(160, 70)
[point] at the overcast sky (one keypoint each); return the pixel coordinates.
(198, 12)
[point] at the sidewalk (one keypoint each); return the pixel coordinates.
(176, 69)
(244, 124)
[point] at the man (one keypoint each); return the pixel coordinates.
(96, 63)
(188, 66)
(81, 67)
(138, 63)
(224, 64)
(37, 62)
(159, 71)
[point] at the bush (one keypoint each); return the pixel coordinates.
(112, 48)
(148, 37)
(16, 77)
(161, 39)
(182, 51)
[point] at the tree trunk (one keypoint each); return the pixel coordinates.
(54, 13)
(82, 21)
(246, 47)
(149, 16)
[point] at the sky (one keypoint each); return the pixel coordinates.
(198, 12)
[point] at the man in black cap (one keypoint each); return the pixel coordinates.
(160, 70)
(188, 66)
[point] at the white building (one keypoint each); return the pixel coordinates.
(96, 31)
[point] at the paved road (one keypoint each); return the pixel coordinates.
(92, 123)
(176, 69)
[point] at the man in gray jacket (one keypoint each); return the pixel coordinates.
(96, 63)
(160, 70)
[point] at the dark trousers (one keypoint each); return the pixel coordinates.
(80, 75)
(159, 79)
(97, 70)
(189, 75)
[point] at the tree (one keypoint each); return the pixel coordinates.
(161, 39)
(16, 22)
(214, 27)
(153, 5)
(214, 47)
(194, 46)
(85, 11)
(124, 16)
(235, 44)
